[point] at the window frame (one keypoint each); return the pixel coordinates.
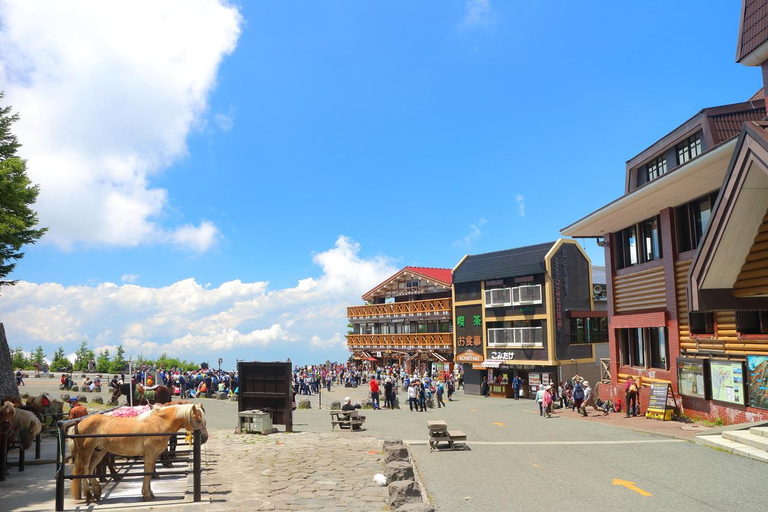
(690, 230)
(685, 149)
(761, 320)
(656, 168)
(704, 323)
(638, 252)
(636, 347)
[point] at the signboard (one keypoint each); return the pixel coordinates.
(758, 381)
(658, 407)
(692, 375)
(469, 356)
(503, 355)
(727, 379)
(534, 381)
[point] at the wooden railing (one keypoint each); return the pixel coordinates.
(416, 307)
(442, 340)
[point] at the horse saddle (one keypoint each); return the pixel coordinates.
(151, 388)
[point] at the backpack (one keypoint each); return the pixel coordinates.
(578, 392)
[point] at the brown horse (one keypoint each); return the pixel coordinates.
(25, 427)
(143, 395)
(47, 407)
(167, 419)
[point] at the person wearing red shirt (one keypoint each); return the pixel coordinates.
(374, 384)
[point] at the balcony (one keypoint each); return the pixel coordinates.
(413, 308)
(428, 341)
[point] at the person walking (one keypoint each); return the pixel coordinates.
(440, 391)
(516, 387)
(578, 396)
(485, 388)
(422, 396)
(374, 385)
(389, 390)
(630, 396)
(461, 381)
(547, 402)
(412, 398)
(589, 399)
(540, 400)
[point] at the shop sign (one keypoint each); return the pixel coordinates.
(527, 309)
(469, 356)
(503, 355)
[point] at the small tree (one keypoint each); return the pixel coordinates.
(82, 356)
(38, 356)
(60, 362)
(119, 363)
(17, 195)
(103, 364)
(19, 359)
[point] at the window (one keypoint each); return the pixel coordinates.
(656, 167)
(644, 345)
(588, 330)
(692, 220)
(701, 323)
(638, 243)
(752, 322)
(521, 295)
(688, 149)
(522, 333)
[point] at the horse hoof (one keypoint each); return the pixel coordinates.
(149, 497)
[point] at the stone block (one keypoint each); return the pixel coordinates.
(65, 397)
(74, 388)
(396, 455)
(50, 375)
(222, 395)
(304, 404)
(366, 404)
(392, 442)
(398, 470)
(82, 399)
(98, 400)
(396, 403)
(336, 405)
(37, 375)
(403, 492)
(61, 387)
(97, 389)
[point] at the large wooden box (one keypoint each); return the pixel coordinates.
(267, 386)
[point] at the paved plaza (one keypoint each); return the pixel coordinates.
(516, 461)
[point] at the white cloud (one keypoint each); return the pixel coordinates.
(192, 321)
(129, 278)
(474, 233)
(520, 200)
(107, 94)
(224, 122)
(478, 13)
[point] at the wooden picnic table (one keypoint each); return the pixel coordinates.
(346, 419)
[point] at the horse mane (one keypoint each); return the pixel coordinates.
(183, 411)
(7, 405)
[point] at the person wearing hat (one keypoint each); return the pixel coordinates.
(76, 410)
(389, 394)
(349, 407)
(589, 399)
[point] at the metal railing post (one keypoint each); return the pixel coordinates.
(60, 467)
(38, 447)
(196, 466)
(22, 458)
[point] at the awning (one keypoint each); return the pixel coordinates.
(491, 363)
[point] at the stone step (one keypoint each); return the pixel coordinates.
(730, 446)
(759, 431)
(747, 438)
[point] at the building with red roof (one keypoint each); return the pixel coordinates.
(405, 320)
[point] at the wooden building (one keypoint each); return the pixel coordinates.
(529, 312)
(686, 250)
(405, 320)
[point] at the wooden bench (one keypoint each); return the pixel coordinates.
(346, 419)
(439, 433)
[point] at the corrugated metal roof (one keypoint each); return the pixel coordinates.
(509, 263)
(727, 126)
(754, 27)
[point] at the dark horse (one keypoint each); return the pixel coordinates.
(142, 395)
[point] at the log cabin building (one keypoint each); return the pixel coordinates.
(529, 312)
(405, 320)
(686, 251)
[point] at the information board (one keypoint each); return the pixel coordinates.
(534, 381)
(758, 381)
(659, 397)
(691, 377)
(727, 381)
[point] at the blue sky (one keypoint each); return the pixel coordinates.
(224, 179)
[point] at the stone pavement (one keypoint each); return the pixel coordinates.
(299, 471)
